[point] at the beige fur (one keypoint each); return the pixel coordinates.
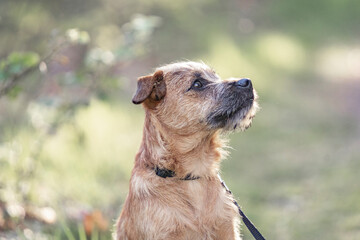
(178, 136)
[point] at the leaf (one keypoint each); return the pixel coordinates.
(17, 62)
(14, 92)
(15, 68)
(3, 76)
(81, 230)
(94, 221)
(95, 235)
(24, 59)
(68, 233)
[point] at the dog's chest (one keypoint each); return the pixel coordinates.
(193, 208)
(200, 196)
(205, 202)
(204, 206)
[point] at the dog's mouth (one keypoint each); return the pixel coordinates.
(232, 112)
(233, 117)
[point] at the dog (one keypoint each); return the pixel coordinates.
(174, 190)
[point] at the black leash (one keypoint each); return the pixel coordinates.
(257, 235)
(167, 173)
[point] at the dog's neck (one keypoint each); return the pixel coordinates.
(198, 154)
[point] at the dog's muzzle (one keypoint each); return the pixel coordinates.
(234, 103)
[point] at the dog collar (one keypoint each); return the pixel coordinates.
(167, 173)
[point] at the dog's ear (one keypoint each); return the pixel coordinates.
(150, 87)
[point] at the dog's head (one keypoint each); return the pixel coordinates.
(190, 97)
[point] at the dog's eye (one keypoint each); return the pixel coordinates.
(197, 84)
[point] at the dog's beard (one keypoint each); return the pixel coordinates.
(235, 113)
(233, 118)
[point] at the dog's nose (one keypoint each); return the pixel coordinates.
(244, 83)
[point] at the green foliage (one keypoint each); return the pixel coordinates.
(16, 63)
(69, 235)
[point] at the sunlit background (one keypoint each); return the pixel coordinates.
(69, 133)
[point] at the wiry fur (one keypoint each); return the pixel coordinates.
(180, 134)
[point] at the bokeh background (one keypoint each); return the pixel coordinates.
(69, 133)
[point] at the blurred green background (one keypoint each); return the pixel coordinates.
(69, 133)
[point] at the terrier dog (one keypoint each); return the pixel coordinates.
(174, 190)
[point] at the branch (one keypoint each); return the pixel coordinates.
(16, 78)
